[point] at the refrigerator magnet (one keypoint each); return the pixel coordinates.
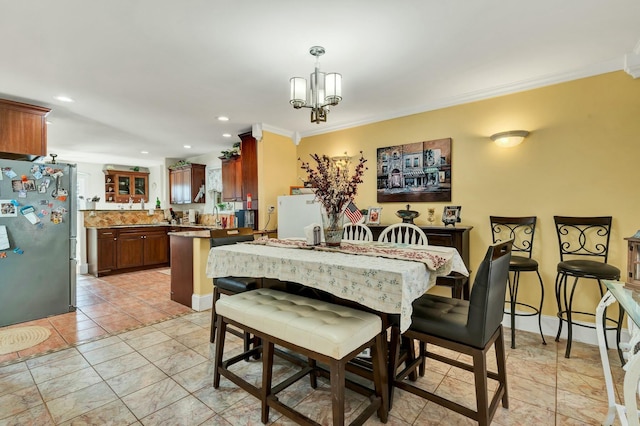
(56, 217)
(8, 209)
(30, 214)
(18, 250)
(3, 255)
(8, 172)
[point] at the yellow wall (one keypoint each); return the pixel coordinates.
(277, 170)
(580, 159)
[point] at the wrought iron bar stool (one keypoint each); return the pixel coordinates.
(521, 230)
(584, 249)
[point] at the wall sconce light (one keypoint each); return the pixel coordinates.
(510, 138)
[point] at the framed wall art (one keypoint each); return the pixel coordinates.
(415, 172)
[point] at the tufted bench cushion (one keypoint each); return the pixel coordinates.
(325, 328)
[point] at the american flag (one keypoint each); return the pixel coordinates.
(353, 213)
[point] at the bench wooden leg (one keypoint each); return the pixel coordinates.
(337, 390)
(221, 330)
(267, 376)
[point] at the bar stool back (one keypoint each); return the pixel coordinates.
(521, 230)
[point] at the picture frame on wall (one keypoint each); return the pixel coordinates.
(373, 215)
(451, 215)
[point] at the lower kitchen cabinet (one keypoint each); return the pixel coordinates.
(118, 250)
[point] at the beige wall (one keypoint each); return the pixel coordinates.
(277, 170)
(580, 159)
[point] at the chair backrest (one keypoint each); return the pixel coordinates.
(406, 233)
(583, 236)
(232, 239)
(486, 303)
(356, 232)
(519, 229)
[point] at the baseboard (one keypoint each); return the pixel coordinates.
(550, 328)
(201, 302)
(83, 268)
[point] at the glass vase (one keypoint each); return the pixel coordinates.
(332, 227)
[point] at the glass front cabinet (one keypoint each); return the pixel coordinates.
(121, 187)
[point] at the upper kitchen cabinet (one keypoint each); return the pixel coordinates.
(123, 186)
(23, 130)
(240, 173)
(185, 182)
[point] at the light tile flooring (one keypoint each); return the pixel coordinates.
(107, 305)
(161, 374)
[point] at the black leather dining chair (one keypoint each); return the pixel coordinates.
(470, 327)
(584, 250)
(521, 230)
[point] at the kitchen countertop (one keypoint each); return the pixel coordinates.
(191, 234)
(139, 225)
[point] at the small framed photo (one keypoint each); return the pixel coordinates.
(451, 215)
(373, 215)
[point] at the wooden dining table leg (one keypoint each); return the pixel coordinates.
(393, 352)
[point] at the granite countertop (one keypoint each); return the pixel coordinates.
(146, 225)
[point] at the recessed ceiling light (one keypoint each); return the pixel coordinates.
(188, 146)
(223, 118)
(144, 152)
(226, 135)
(63, 98)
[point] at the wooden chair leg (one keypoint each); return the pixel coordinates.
(482, 393)
(216, 296)
(380, 378)
(502, 367)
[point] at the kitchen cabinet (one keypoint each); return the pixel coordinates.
(23, 129)
(232, 179)
(240, 173)
(185, 182)
(117, 250)
(120, 186)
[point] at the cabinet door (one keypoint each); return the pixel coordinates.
(130, 251)
(231, 179)
(140, 188)
(106, 250)
(23, 129)
(156, 248)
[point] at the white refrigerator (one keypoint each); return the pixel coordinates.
(295, 212)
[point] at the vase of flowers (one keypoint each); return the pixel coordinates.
(335, 187)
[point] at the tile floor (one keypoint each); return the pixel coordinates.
(161, 374)
(107, 305)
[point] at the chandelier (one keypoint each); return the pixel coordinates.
(324, 90)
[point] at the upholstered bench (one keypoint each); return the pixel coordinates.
(323, 332)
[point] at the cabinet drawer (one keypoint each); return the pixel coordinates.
(107, 233)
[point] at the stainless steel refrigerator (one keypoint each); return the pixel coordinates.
(38, 211)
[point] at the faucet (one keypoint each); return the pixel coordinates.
(141, 203)
(130, 202)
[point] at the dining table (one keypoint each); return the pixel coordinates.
(383, 278)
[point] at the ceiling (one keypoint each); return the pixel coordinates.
(154, 75)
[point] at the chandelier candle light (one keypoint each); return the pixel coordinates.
(335, 187)
(324, 90)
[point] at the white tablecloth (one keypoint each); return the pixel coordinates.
(383, 284)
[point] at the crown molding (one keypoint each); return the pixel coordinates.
(492, 92)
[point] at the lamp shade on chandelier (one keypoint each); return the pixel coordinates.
(321, 91)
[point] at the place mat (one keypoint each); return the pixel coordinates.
(20, 338)
(433, 257)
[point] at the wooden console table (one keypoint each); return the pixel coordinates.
(457, 237)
